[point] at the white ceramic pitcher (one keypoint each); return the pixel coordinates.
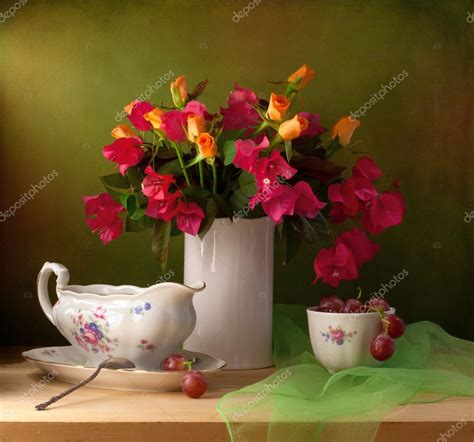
(100, 321)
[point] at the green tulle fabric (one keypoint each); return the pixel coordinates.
(301, 401)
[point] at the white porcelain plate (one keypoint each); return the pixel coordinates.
(67, 366)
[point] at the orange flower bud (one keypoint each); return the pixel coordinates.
(129, 107)
(179, 91)
(301, 77)
(196, 126)
(154, 117)
(207, 145)
(292, 129)
(123, 131)
(344, 128)
(277, 107)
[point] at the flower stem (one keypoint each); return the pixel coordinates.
(214, 178)
(276, 139)
(181, 163)
(201, 175)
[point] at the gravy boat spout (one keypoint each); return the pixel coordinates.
(102, 321)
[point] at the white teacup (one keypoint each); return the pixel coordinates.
(342, 340)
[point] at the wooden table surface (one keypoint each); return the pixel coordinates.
(97, 414)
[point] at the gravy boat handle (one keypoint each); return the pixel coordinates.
(62, 275)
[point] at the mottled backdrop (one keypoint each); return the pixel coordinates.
(69, 67)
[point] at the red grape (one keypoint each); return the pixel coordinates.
(382, 347)
(194, 384)
(379, 303)
(352, 306)
(396, 326)
(332, 304)
(174, 362)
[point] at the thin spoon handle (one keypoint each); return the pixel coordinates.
(56, 398)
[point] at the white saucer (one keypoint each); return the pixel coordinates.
(67, 366)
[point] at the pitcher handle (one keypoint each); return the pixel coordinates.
(62, 279)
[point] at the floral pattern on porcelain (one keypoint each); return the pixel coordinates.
(145, 345)
(91, 331)
(140, 309)
(338, 335)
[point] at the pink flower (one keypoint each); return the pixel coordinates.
(189, 217)
(164, 209)
(197, 108)
(173, 124)
(314, 125)
(338, 334)
(363, 250)
(385, 210)
(139, 109)
(247, 153)
(104, 211)
(268, 169)
(307, 204)
(126, 152)
(364, 190)
(335, 264)
(99, 312)
(345, 203)
(90, 337)
(156, 186)
(280, 202)
(366, 168)
(241, 94)
(240, 114)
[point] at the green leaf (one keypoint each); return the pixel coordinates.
(197, 159)
(160, 238)
(247, 184)
(223, 206)
(229, 152)
(211, 213)
(123, 199)
(135, 177)
(138, 214)
(292, 241)
(134, 226)
(116, 184)
(288, 150)
(238, 201)
(304, 228)
(171, 168)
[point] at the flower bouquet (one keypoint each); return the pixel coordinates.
(181, 167)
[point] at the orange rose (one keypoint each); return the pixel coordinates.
(277, 107)
(301, 77)
(154, 117)
(179, 91)
(122, 131)
(344, 128)
(129, 107)
(207, 145)
(196, 126)
(292, 129)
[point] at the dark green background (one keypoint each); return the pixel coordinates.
(68, 67)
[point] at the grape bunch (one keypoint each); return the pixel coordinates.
(194, 383)
(382, 346)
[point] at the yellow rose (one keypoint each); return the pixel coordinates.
(154, 117)
(277, 107)
(292, 129)
(301, 77)
(196, 126)
(344, 129)
(179, 91)
(207, 145)
(122, 131)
